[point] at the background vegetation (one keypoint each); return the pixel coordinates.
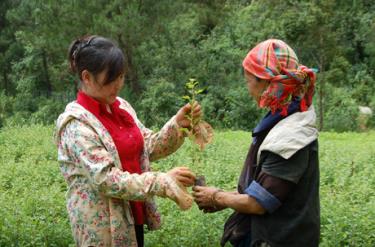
(32, 191)
(166, 42)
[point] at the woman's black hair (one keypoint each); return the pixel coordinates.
(96, 54)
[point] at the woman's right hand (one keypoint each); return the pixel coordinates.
(183, 175)
(173, 185)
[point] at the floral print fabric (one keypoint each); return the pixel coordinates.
(98, 189)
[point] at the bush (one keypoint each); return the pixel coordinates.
(371, 122)
(29, 110)
(242, 111)
(32, 190)
(6, 107)
(32, 204)
(231, 109)
(341, 110)
(48, 111)
(159, 103)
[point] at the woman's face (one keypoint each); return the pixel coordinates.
(105, 94)
(256, 87)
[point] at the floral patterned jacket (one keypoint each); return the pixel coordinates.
(98, 189)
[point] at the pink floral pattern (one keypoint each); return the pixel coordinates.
(98, 189)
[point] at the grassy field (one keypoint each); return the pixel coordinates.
(32, 200)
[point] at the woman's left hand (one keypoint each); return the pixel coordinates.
(182, 115)
(203, 196)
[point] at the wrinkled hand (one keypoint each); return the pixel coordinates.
(182, 114)
(203, 197)
(183, 175)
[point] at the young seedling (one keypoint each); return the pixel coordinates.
(200, 132)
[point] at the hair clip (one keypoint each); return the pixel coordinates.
(87, 43)
(81, 46)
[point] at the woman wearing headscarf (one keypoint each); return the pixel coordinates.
(277, 199)
(104, 153)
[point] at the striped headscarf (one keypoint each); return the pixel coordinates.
(274, 61)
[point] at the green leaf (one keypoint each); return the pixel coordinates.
(199, 91)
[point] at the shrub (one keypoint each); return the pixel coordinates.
(48, 111)
(159, 103)
(341, 110)
(32, 190)
(231, 108)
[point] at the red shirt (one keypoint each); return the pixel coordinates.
(126, 136)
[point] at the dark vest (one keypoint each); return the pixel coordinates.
(295, 223)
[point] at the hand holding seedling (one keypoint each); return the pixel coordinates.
(199, 131)
(205, 197)
(187, 113)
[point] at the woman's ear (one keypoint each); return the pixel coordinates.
(87, 78)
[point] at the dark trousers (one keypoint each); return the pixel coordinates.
(139, 233)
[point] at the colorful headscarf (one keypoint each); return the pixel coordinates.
(273, 60)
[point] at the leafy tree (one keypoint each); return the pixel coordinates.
(166, 42)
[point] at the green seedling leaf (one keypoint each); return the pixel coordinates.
(199, 91)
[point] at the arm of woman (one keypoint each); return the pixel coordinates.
(265, 194)
(213, 198)
(171, 137)
(166, 141)
(82, 153)
(242, 203)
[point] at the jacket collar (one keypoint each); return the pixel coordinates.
(271, 120)
(291, 134)
(94, 106)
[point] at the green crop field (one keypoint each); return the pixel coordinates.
(32, 191)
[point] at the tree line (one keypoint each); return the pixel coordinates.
(166, 42)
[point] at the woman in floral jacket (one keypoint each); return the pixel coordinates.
(105, 152)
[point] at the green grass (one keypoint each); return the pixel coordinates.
(32, 191)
